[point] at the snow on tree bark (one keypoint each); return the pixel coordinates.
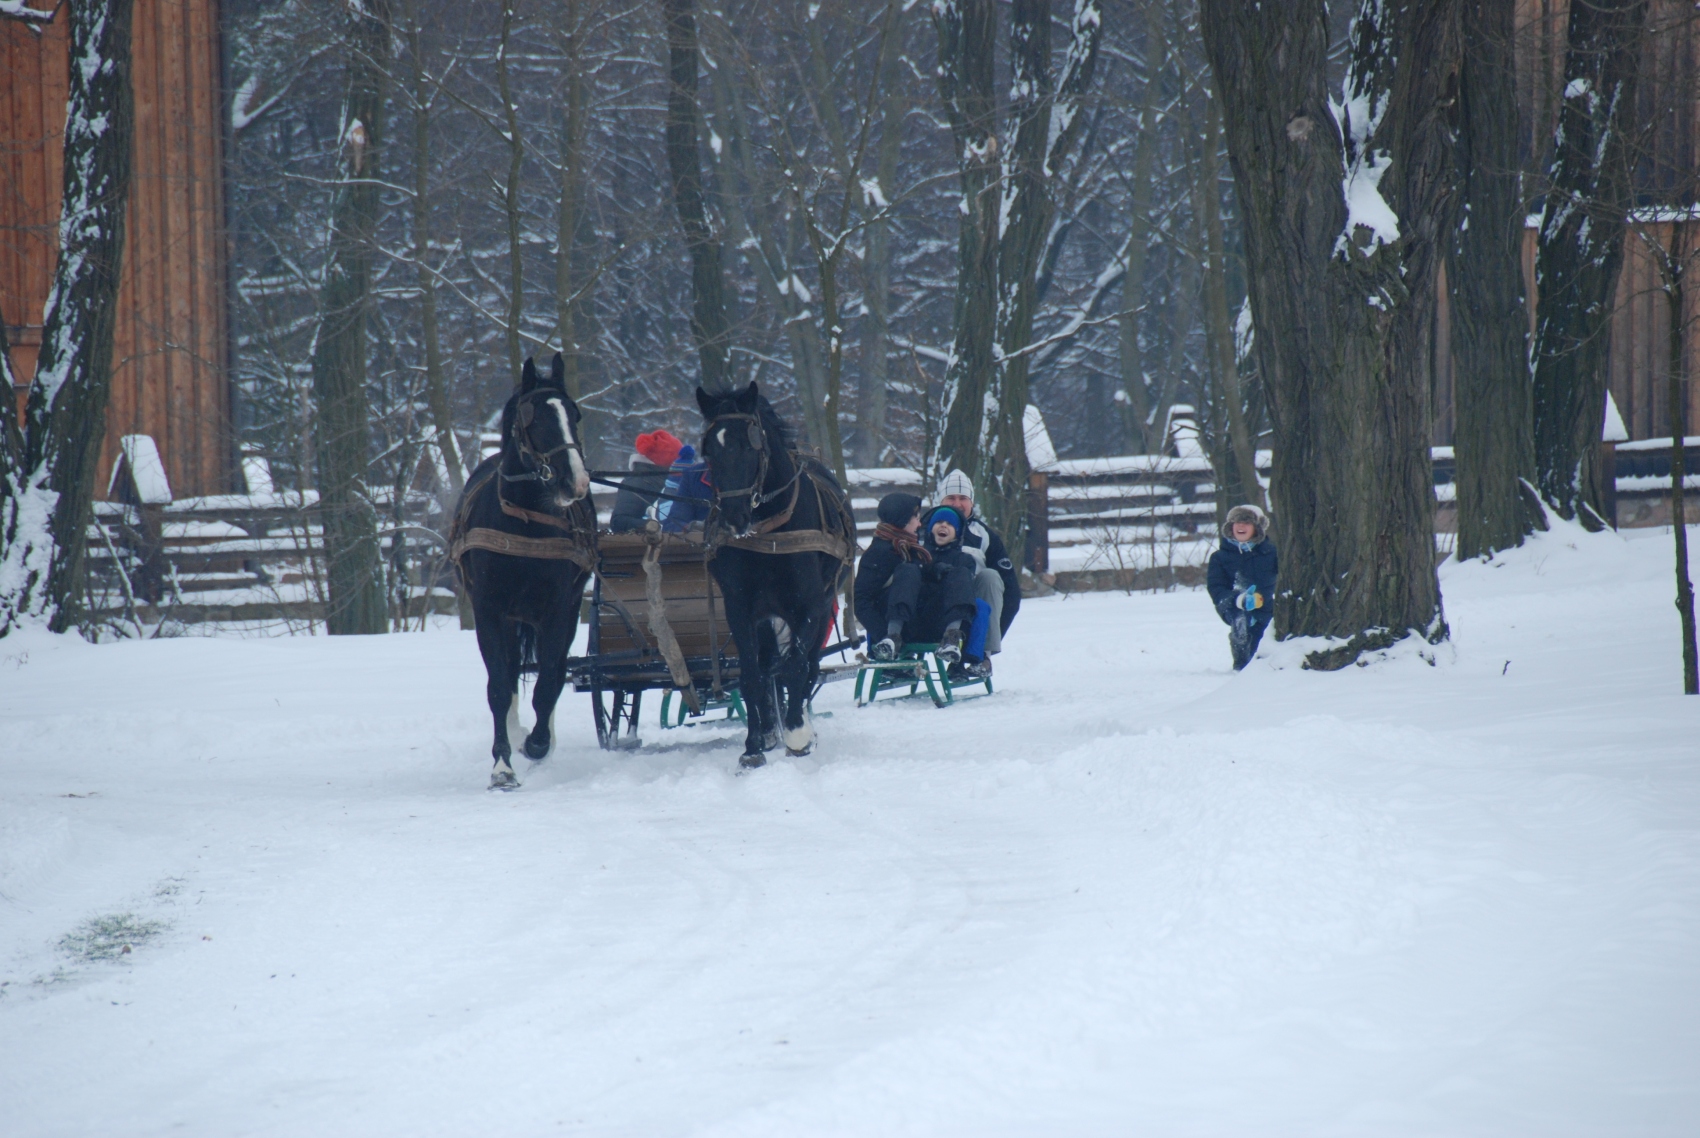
(1343, 206)
(342, 428)
(1581, 249)
(47, 467)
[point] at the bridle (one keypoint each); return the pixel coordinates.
(538, 461)
(758, 443)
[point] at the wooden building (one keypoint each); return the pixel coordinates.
(171, 378)
(1667, 182)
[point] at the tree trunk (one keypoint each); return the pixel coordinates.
(354, 575)
(511, 208)
(1140, 418)
(1237, 463)
(1352, 491)
(567, 308)
(1494, 438)
(876, 340)
(772, 258)
(1003, 230)
(709, 325)
(436, 384)
(1677, 392)
(47, 473)
(1581, 249)
(966, 32)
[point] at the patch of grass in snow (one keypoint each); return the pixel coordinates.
(109, 937)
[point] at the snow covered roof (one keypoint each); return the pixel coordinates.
(139, 455)
(1612, 430)
(1041, 455)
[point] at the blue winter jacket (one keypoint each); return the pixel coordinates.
(1232, 569)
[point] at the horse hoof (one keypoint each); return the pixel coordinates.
(807, 747)
(502, 776)
(536, 751)
(752, 761)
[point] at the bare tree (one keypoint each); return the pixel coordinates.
(47, 465)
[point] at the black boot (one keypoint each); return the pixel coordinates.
(950, 647)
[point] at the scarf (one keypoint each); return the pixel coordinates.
(904, 542)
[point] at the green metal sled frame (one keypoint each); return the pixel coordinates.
(916, 664)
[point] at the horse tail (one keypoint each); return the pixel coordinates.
(527, 649)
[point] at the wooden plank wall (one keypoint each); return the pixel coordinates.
(1640, 343)
(170, 375)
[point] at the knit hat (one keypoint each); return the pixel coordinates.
(659, 447)
(956, 482)
(1246, 513)
(945, 514)
(896, 509)
(687, 456)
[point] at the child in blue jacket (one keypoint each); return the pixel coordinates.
(1241, 580)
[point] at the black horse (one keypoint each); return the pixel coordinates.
(778, 604)
(525, 540)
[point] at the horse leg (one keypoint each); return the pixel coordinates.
(752, 679)
(553, 638)
(801, 667)
(498, 643)
(772, 659)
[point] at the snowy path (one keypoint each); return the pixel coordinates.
(1129, 894)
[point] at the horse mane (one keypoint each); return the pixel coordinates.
(775, 426)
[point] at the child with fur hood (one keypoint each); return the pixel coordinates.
(1241, 580)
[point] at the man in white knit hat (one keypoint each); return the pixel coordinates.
(998, 584)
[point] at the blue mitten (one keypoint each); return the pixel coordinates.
(1250, 601)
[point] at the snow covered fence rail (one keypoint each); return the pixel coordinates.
(245, 558)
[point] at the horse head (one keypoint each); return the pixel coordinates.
(740, 451)
(540, 433)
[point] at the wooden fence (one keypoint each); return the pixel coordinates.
(1133, 521)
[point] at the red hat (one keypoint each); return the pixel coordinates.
(659, 447)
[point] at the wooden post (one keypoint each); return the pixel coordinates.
(1608, 482)
(1038, 523)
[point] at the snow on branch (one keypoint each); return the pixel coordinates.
(1087, 28)
(1367, 90)
(19, 10)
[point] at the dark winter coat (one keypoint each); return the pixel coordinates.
(982, 537)
(878, 565)
(630, 505)
(873, 578)
(1233, 570)
(687, 479)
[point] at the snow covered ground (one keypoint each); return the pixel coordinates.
(1129, 894)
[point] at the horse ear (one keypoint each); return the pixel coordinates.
(747, 399)
(528, 376)
(558, 372)
(707, 402)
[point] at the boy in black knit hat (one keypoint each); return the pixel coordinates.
(906, 590)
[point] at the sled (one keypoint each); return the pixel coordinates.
(636, 646)
(916, 665)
